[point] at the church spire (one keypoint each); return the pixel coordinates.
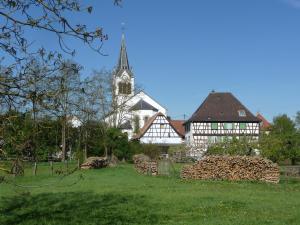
(123, 63)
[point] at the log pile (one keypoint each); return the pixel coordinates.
(233, 168)
(95, 163)
(143, 164)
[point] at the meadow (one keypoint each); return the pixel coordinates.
(122, 196)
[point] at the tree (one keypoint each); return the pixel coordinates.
(64, 89)
(297, 120)
(282, 142)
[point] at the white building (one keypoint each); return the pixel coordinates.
(160, 130)
(221, 116)
(132, 109)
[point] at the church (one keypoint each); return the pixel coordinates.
(134, 111)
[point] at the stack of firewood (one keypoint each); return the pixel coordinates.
(95, 163)
(144, 165)
(233, 168)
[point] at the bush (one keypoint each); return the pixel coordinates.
(151, 150)
(241, 146)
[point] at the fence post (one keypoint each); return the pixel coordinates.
(35, 168)
(51, 166)
(67, 164)
(78, 164)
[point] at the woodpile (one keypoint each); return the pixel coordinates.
(95, 163)
(143, 164)
(233, 168)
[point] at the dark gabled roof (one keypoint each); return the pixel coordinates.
(142, 105)
(123, 63)
(222, 107)
(126, 126)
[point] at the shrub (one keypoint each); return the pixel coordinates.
(236, 146)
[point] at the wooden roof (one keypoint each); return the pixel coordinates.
(222, 107)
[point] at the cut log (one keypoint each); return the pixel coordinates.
(233, 168)
(95, 163)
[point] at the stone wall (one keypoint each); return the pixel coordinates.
(233, 168)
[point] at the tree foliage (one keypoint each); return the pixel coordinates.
(234, 146)
(282, 142)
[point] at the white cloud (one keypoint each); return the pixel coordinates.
(294, 3)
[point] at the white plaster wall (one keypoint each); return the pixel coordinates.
(173, 140)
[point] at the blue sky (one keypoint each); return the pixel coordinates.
(181, 50)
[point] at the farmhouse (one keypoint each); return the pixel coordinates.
(221, 116)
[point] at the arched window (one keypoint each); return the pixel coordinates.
(124, 88)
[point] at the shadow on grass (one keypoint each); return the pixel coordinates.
(78, 208)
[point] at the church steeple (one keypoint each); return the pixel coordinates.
(123, 63)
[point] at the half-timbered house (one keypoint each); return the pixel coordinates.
(159, 130)
(221, 116)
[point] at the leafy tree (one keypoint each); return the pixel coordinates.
(136, 124)
(297, 120)
(282, 142)
(117, 144)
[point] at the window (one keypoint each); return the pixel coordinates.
(214, 126)
(124, 88)
(228, 126)
(162, 126)
(212, 139)
(242, 113)
(242, 126)
(187, 127)
(146, 119)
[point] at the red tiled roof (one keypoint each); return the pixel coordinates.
(178, 126)
(264, 122)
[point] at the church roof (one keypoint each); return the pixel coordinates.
(222, 107)
(123, 63)
(142, 105)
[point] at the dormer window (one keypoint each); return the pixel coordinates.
(124, 88)
(242, 113)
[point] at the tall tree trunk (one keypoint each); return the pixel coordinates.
(85, 144)
(63, 138)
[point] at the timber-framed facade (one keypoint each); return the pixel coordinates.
(221, 116)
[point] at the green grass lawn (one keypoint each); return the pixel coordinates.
(122, 196)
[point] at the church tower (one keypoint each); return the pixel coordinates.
(123, 76)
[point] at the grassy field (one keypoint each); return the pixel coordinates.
(122, 196)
